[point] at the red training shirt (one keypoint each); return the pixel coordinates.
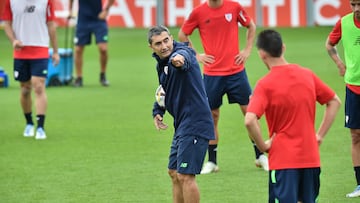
(287, 96)
(219, 29)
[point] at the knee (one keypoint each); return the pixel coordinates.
(185, 178)
(79, 50)
(39, 88)
(38, 91)
(173, 175)
(102, 48)
(355, 137)
(25, 90)
(103, 52)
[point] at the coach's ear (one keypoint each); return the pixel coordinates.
(151, 47)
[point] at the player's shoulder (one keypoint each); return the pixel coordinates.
(299, 67)
(348, 15)
(200, 8)
(303, 71)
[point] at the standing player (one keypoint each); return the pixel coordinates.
(287, 96)
(91, 20)
(347, 29)
(29, 26)
(180, 76)
(224, 71)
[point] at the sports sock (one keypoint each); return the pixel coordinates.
(212, 150)
(357, 174)
(257, 151)
(28, 118)
(102, 76)
(40, 121)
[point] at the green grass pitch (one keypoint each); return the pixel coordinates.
(102, 145)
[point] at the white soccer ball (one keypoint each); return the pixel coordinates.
(160, 96)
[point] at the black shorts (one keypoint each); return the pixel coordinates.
(85, 30)
(25, 68)
(293, 185)
(236, 87)
(352, 110)
(187, 154)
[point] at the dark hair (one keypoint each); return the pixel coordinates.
(270, 41)
(156, 30)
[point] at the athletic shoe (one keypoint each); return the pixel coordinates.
(209, 167)
(355, 193)
(29, 130)
(262, 162)
(40, 134)
(103, 80)
(78, 82)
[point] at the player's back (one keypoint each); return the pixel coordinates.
(291, 93)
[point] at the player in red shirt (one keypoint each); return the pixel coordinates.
(347, 29)
(287, 96)
(224, 72)
(30, 27)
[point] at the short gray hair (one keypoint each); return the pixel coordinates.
(156, 30)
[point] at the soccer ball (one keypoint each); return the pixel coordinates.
(160, 96)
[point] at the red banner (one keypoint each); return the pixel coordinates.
(285, 13)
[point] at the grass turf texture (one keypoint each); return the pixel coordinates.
(102, 145)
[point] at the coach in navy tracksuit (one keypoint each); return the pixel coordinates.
(186, 100)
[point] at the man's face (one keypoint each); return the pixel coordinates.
(162, 44)
(355, 7)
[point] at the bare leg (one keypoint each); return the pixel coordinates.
(25, 96)
(79, 50)
(176, 187)
(38, 84)
(191, 193)
(103, 56)
(216, 115)
(355, 146)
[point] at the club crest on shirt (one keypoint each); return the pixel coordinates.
(166, 69)
(228, 17)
